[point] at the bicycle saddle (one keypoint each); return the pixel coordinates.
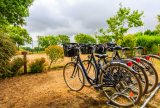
(126, 48)
(111, 43)
(139, 47)
(101, 56)
(115, 48)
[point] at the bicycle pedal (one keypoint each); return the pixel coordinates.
(151, 73)
(97, 87)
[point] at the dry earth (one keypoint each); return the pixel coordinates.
(48, 90)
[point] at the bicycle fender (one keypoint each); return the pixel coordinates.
(143, 60)
(126, 60)
(115, 63)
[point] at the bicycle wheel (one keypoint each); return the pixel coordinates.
(120, 85)
(74, 76)
(152, 75)
(91, 71)
(141, 74)
(155, 60)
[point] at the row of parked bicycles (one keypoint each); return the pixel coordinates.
(123, 80)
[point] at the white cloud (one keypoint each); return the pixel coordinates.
(53, 17)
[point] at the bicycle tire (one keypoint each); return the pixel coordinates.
(148, 66)
(140, 73)
(72, 78)
(114, 89)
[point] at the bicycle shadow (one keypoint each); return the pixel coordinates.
(95, 99)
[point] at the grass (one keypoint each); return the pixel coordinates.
(48, 89)
(35, 52)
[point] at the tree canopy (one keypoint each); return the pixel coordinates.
(116, 23)
(84, 38)
(158, 26)
(13, 11)
(45, 41)
(19, 35)
(64, 38)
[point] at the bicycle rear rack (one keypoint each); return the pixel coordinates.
(145, 101)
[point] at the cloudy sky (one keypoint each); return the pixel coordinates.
(53, 17)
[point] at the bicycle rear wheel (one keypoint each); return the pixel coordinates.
(120, 85)
(141, 74)
(152, 75)
(74, 76)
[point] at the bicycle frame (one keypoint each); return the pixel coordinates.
(98, 71)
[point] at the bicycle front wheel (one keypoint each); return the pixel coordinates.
(121, 85)
(74, 76)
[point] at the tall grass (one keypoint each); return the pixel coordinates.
(150, 43)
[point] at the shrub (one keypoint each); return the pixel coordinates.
(55, 53)
(7, 50)
(37, 65)
(16, 64)
(147, 42)
(129, 41)
(21, 49)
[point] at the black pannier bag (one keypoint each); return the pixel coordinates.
(110, 45)
(100, 49)
(86, 49)
(70, 49)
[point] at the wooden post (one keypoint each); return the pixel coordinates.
(25, 62)
(38, 49)
(32, 47)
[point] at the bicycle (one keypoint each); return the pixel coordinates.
(148, 67)
(125, 84)
(100, 49)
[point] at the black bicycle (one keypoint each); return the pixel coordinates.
(148, 66)
(101, 49)
(120, 83)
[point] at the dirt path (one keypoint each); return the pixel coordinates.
(45, 90)
(48, 90)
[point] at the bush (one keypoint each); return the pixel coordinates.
(16, 64)
(7, 50)
(129, 41)
(147, 42)
(55, 53)
(37, 65)
(21, 49)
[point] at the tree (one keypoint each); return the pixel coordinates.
(64, 38)
(7, 50)
(116, 23)
(105, 38)
(84, 38)
(147, 32)
(13, 11)
(45, 41)
(101, 31)
(19, 35)
(158, 26)
(138, 34)
(155, 32)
